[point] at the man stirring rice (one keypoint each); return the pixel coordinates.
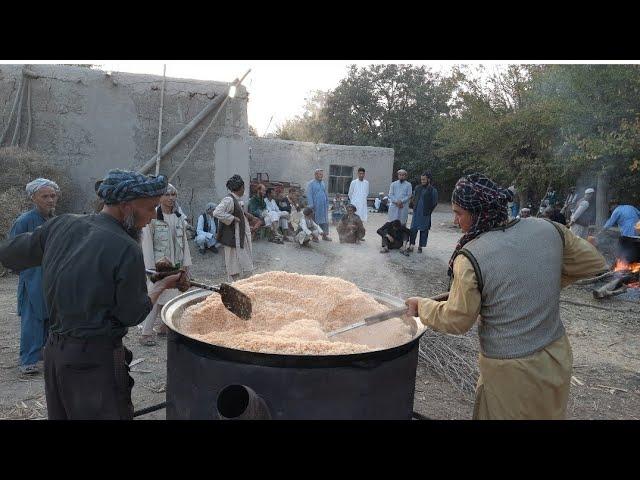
(93, 277)
(525, 356)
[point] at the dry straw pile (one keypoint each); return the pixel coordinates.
(19, 167)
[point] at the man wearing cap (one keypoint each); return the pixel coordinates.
(350, 227)
(584, 215)
(34, 321)
(206, 230)
(525, 357)
(399, 196)
(318, 201)
(94, 284)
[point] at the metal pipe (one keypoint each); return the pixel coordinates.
(239, 402)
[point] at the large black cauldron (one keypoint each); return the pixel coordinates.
(206, 381)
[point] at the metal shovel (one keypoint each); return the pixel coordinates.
(233, 299)
(382, 316)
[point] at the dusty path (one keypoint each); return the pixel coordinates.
(606, 345)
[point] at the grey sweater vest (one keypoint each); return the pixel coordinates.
(519, 271)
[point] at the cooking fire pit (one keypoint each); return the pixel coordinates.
(206, 381)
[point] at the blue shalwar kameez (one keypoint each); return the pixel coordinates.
(318, 200)
(34, 321)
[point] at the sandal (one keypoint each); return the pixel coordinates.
(147, 341)
(29, 369)
(161, 330)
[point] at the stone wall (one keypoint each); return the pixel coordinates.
(291, 161)
(88, 121)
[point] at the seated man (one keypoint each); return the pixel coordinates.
(292, 202)
(394, 235)
(350, 228)
(378, 202)
(384, 205)
(337, 209)
(206, 230)
(279, 218)
(308, 229)
(258, 208)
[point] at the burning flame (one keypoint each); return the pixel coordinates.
(622, 266)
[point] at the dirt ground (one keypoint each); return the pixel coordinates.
(605, 340)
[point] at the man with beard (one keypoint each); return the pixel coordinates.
(399, 194)
(31, 307)
(164, 240)
(350, 227)
(94, 284)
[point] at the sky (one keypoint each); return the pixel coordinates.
(277, 88)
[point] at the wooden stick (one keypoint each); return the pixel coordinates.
(588, 281)
(159, 150)
(26, 142)
(13, 108)
(16, 133)
(215, 116)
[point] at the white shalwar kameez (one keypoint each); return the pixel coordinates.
(358, 193)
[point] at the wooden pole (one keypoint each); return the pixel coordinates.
(183, 133)
(220, 109)
(159, 150)
(13, 109)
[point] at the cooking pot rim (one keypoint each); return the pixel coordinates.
(199, 294)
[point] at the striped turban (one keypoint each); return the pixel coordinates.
(123, 186)
(487, 203)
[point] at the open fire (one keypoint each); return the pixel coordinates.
(625, 275)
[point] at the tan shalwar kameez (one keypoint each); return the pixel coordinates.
(532, 387)
(239, 261)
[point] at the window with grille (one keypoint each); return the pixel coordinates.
(340, 177)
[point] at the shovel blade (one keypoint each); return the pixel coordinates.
(235, 301)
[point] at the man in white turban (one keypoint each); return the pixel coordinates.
(34, 321)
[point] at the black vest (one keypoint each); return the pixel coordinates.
(227, 233)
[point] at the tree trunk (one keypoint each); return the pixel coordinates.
(602, 198)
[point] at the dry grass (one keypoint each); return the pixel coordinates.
(453, 358)
(20, 166)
